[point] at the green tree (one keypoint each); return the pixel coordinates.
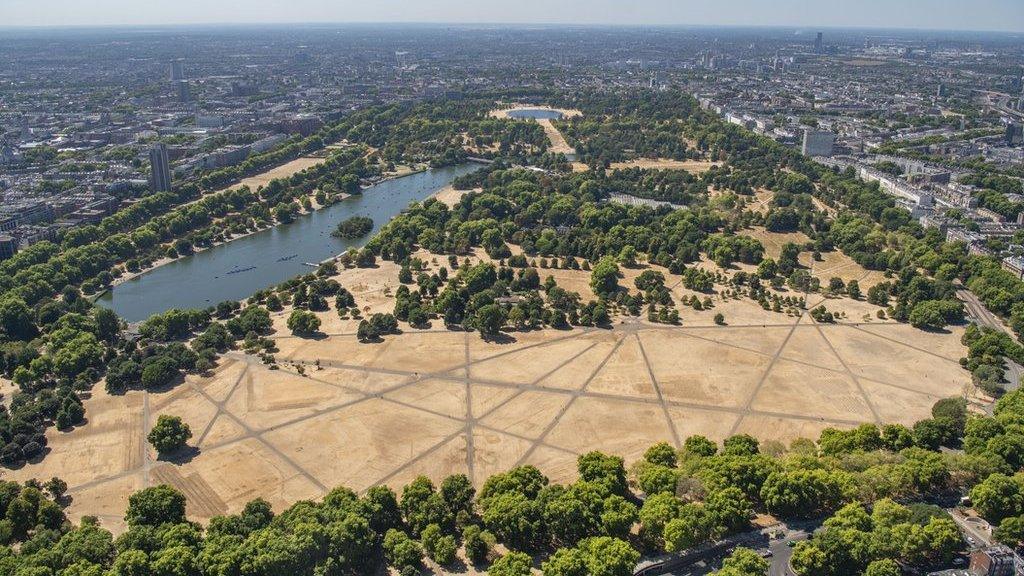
(853, 289)
(489, 319)
(604, 277)
(440, 547)
(743, 562)
(131, 563)
(809, 560)
(565, 562)
(602, 469)
(123, 373)
(883, 567)
(655, 479)
(699, 446)
(729, 508)
(156, 506)
(16, 319)
(303, 322)
(169, 434)
(478, 543)
(607, 556)
(692, 527)
(71, 413)
(998, 496)
(1011, 531)
(159, 372)
(402, 551)
(657, 511)
(618, 516)
(511, 564)
(740, 445)
(380, 506)
(662, 454)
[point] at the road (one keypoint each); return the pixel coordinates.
(984, 317)
(1001, 102)
(757, 540)
(781, 553)
(979, 532)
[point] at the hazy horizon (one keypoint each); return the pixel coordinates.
(952, 15)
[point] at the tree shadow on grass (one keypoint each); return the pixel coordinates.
(499, 338)
(181, 456)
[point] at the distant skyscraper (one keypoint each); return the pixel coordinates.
(159, 169)
(1014, 134)
(177, 71)
(819, 48)
(184, 92)
(818, 143)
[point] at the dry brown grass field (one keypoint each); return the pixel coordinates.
(283, 171)
(692, 166)
(437, 401)
(558, 143)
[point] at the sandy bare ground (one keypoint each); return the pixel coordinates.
(832, 264)
(437, 402)
(692, 166)
(558, 143)
(450, 196)
(283, 171)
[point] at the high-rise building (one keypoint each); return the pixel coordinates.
(818, 143)
(184, 92)
(1014, 134)
(819, 47)
(159, 169)
(177, 71)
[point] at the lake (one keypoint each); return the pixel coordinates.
(237, 269)
(535, 114)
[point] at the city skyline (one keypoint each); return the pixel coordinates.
(985, 15)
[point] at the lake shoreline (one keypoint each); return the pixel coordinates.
(317, 207)
(107, 294)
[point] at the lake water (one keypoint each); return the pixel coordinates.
(536, 114)
(237, 269)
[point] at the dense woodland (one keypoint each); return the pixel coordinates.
(873, 482)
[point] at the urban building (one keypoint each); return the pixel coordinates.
(818, 143)
(8, 246)
(184, 92)
(177, 71)
(159, 169)
(992, 561)
(1014, 134)
(1014, 265)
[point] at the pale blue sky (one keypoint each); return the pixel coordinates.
(1005, 15)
